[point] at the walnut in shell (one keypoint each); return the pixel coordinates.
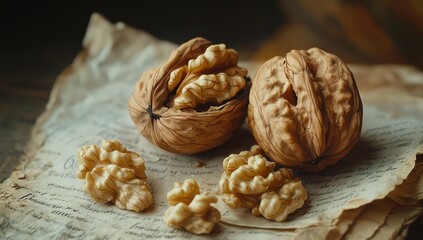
(305, 110)
(114, 174)
(193, 102)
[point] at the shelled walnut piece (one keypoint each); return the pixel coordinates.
(191, 209)
(249, 180)
(195, 87)
(194, 101)
(305, 109)
(114, 174)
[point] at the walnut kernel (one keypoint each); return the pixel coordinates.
(114, 174)
(249, 180)
(191, 209)
(276, 205)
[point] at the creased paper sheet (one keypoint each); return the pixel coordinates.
(330, 232)
(381, 219)
(370, 220)
(43, 198)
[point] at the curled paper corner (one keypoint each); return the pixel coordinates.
(120, 25)
(97, 39)
(420, 150)
(355, 203)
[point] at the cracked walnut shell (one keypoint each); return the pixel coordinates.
(250, 181)
(191, 209)
(194, 101)
(114, 174)
(305, 110)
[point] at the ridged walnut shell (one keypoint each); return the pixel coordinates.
(200, 118)
(305, 110)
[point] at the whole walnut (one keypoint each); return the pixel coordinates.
(305, 110)
(193, 102)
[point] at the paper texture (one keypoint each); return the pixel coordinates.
(43, 197)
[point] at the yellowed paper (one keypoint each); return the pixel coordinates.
(44, 199)
(370, 220)
(395, 222)
(343, 223)
(410, 192)
(333, 231)
(395, 89)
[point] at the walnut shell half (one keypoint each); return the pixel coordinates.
(305, 110)
(193, 102)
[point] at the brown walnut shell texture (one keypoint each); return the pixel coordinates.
(305, 110)
(183, 131)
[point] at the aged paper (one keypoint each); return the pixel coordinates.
(370, 220)
(382, 220)
(398, 90)
(330, 232)
(396, 223)
(43, 198)
(410, 192)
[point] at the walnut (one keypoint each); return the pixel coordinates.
(238, 200)
(114, 174)
(183, 192)
(191, 209)
(305, 110)
(249, 180)
(276, 205)
(193, 102)
(255, 176)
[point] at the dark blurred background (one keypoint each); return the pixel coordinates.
(38, 39)
(44, 36)
(40, 36)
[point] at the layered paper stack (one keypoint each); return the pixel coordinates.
(373, 193)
